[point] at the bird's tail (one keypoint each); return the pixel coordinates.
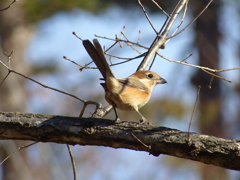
(96, 53)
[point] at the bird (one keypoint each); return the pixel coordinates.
(128, 94)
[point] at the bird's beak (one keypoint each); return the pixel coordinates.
(161, 81)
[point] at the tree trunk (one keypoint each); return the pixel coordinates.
(14, 35)
(210, 102)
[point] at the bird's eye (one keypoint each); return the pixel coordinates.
(150, 75)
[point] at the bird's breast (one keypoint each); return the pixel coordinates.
(128, 99)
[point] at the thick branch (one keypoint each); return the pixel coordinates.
(102, 132)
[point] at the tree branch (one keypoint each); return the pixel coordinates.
(130, 135)
(9, 5)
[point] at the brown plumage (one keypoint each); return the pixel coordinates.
(128, 94)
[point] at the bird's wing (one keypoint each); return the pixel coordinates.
(133, 83)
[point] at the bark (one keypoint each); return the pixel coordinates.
(130, 135)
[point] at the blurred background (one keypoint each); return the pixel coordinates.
(40, 33)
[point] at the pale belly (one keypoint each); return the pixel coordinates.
(126, 103)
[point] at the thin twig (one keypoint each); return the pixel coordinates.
(192, 20)
(180, 23)
(5, 78)
(129, 44)
(210, 83)
(111, 46)
(174, 15)
(193, 112)
(9, 57)
(144, 11)
(170, 60)
(122, 32)
(8, 5)
(73, 162)
(81, 66)
(161, 8)
(160, 40)
(223, 70)
(48, 87)
(152, 61)
(120, 45)
(149, 147)
(65, 57)
(83, 109)
(121, 40)
(184, 60)
(87, 66)
(128, 59)
(19, 149)
(216, 76)
(75, 34)
(197, 66)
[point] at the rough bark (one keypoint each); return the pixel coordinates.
(130, 135)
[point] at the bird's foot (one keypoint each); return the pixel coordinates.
(144, 121)
(117, 120)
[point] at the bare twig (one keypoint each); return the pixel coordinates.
(129, 44)
(149, 147)
(9, 57)
(19, 149)
(168, 59)
(184, 60)
(192, 20)
(65, 57)
(75, 34)
(83, 109)
(86, 66)
(127, 59)
(73, 162)
(216, 76)
(223, 70)
(197, 66)
(163, 39)
(152, 61)
(121, 40)
(174, 15)
(5, 78)
(193, 112)
(144, 11)
(98, 105)
(122, 32)
(161, 8)
(160, 41)
(111, 46)
(180, 23)
(210, 83)
(8, 5)
(120, 45)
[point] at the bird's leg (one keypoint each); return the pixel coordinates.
(117, 119)
(143, 120)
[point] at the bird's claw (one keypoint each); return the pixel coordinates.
(145, 122)
(117, 120)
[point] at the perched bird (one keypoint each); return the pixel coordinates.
(129, 93)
